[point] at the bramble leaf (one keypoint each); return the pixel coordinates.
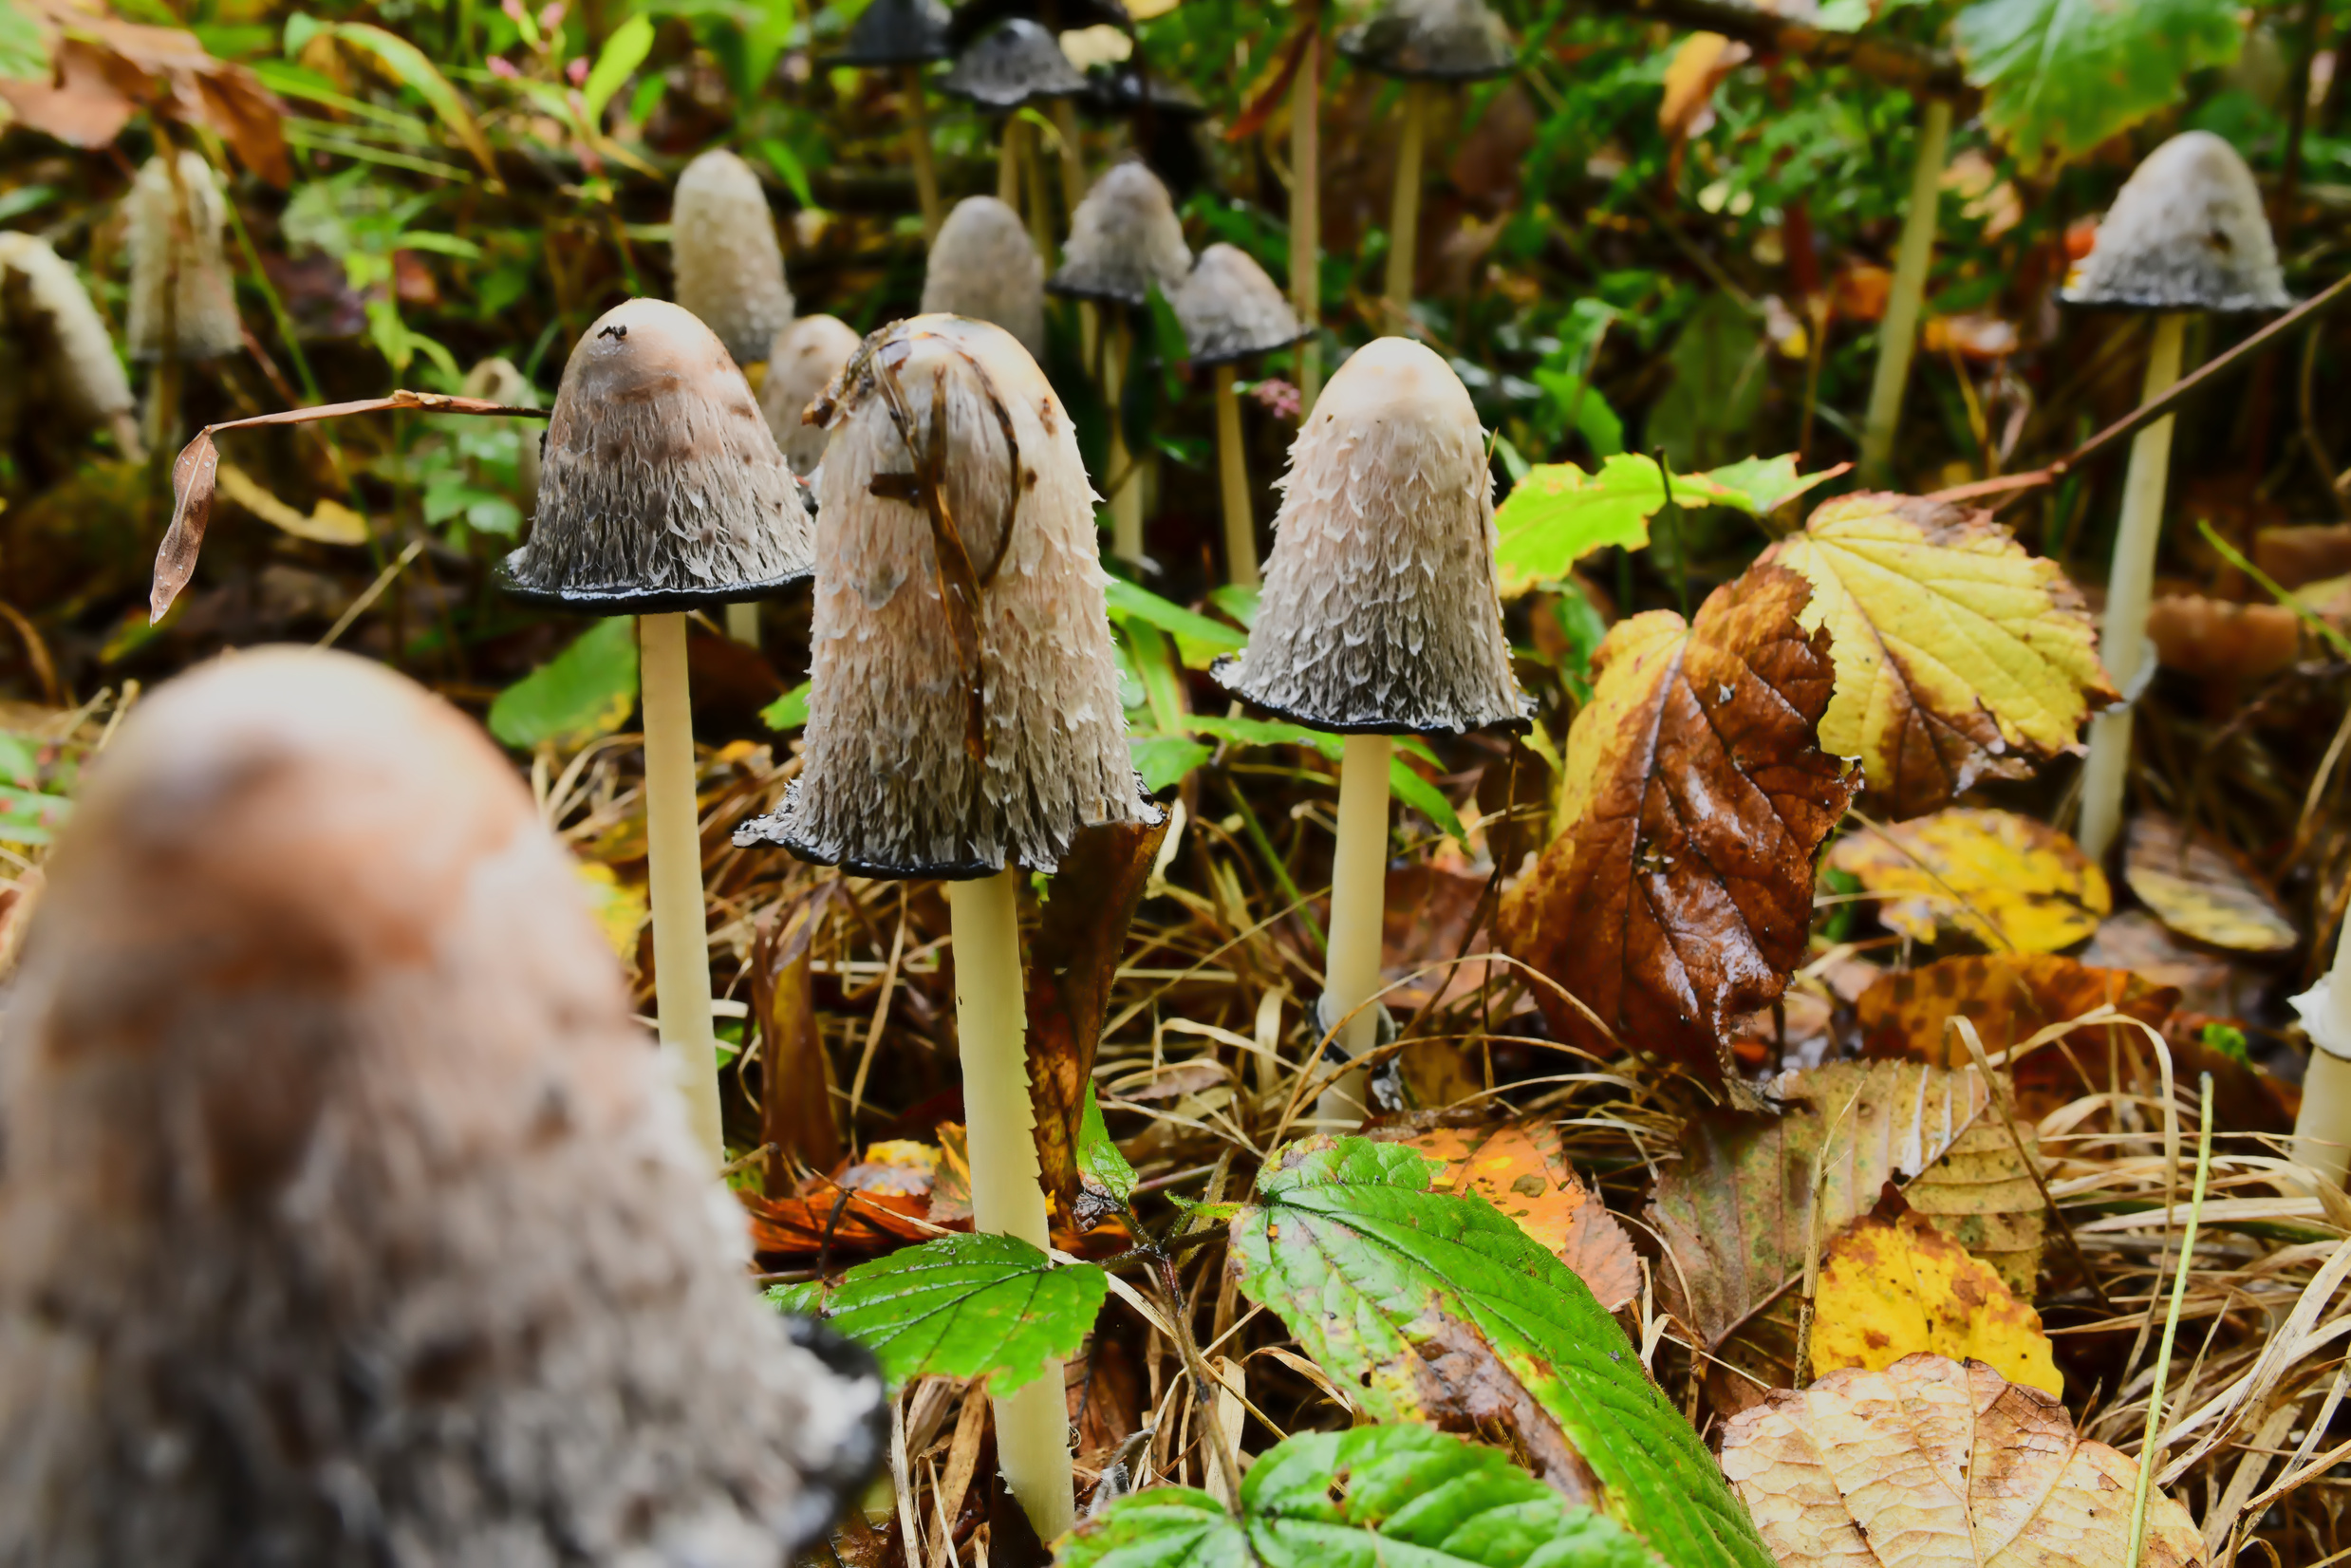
(968, 1306)
(2061, 76)
(582, 694)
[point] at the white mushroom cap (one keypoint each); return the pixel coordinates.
(984, 266)
(321, 1079)
(2187, 233)
(1379, 613)
(44, 309)
(730, 270)
(662, 487)
(1440, 40)
(808, 354)
(1124, 237)
(198, 319)
(889, 787)
(1230, 310)
(1014, 63)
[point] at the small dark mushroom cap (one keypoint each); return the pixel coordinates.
(983, 265)
(662, 487)
(1436, 39)
(1124, 237)
(348, 1211)
(896, 32)
(1121, 89)
(974, 17)
(1018, 61)
(1230, 310)
(888, 784)
(1379, 615)
(2186, 232)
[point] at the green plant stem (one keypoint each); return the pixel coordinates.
(1898, 333)
(1306, 211)
(2147, 1454)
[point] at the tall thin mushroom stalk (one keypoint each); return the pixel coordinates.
(1306, 205)
(963, 722)
(1125, 238)
(55, 353)
(2186, 233)
(1379, 618)
(1898, 334)
(1231, 310)
(1426, 43)
(2322, 1128)
(904, 36)
(664, 491)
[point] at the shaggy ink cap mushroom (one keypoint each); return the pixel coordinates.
(1122, 90)
(1230, 310)
(808, 354)
(1015, 63)
(323, 1092)
(1431, 40)
(56, 339)
(2186, 232)
(896, 32)
(937, 745)
(1379, 615)
(730, 270)
(1124, 237)
(984, 266)
(974, 17)
(661, 487)
(181, 304)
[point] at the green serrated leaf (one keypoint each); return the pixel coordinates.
(584, 692)
(1098, 1156)
(1377, 1495)
(2061, 76)
(806, 1298)
(965, 1306)
(1198, 638)
(788, 712)
(1438, 1309)
(1558, 513)
(1423, 798)
(1165, 760)
(1243, 730)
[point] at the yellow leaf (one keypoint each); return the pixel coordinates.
(330, 523)
(1939, 1463)
(2200, 893)
(619, 906)
(2007, 881)
(1959, 655)
(1888, 1291)
(1697, 69)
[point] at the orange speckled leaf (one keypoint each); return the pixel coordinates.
(1522, 1169)
(1888, 1291)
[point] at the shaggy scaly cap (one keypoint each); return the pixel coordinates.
(662, 487)
(1443, 40)
(1230, 310)
(1379, 613)
(984, 266)
(347, 1218)
(896, 32)
(889, 787)
(52, 343)
(197, 319)
(2187, 233)
(1124, 237)
(808, 354)
(730, 271)
(1017, 61)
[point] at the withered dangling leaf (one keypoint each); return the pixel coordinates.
(1939, 1463)
(1088, 908)
(1697, 796)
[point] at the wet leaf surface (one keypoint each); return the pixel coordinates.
(2006, 881)
(1888, 1289)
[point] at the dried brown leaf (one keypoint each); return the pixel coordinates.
(2199, 890)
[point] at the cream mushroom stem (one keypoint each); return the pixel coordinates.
(1008, 163)
(1033, 180)
(1306, 215)
(673, 849)
(918, 150)
(1403, 221)
(2323, 1129)
(1898, 334)
(1241, 541)
(2123, 639)
(991, 1020)
(1350, 975)
(1124, 476)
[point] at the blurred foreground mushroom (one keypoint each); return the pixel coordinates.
(1124, 239)
(1379, 618)
(730, 270)
(1231, 310)
(345, 1218)
(808, 354)
(963, 721)
(182, 307)
(54, 349)
(2186, 233)
(904, 36)
(984, 266)
(664, 491)
(1424, 41)
(1017, 63)
(2323, 1129)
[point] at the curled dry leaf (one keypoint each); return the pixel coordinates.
(2220, 638)
(2199, 891)
(2005, 880)
(1959, 654)
(1938, 1464)
(1522, 1168)
(1696, 797)
(1891, 1289)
